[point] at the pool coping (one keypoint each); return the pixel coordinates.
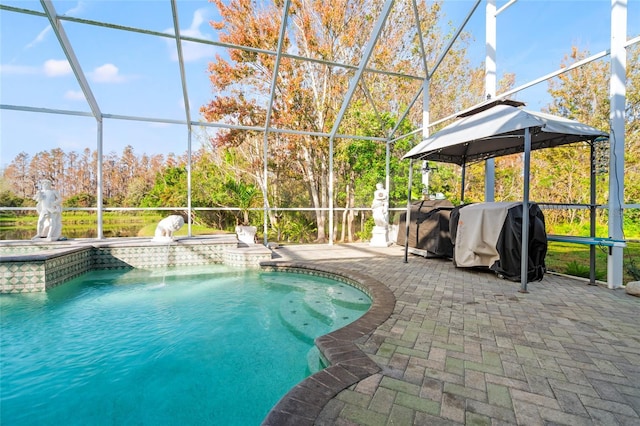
(347, 363)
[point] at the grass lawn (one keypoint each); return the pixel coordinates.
(573, 259)
(150, 229)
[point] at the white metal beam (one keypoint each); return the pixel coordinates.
(366, 54)
(183, 80)
(208, 42)
(405, 113)
(490, 82)
(183, 122)
(453, 39)
(267, 124)
(503, 8)
(423, 53)
(353, 84)
(185, 96)
(65, 44)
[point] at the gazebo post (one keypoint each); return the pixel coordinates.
(462, 178)
(592, 212)
(408, 215)
(524, 255)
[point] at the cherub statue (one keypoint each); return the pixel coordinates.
(49, 210)
(380, 206)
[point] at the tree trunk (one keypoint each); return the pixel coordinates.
(351, 196)
(312, 184)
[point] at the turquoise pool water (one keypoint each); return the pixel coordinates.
(184, 346)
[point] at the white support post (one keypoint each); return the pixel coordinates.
(99, 180)
(189, 186)
(425, 108)
(490, 89)
(331, 178)
(617, 98)
(387, 171)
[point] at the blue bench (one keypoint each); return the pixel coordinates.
(592, 241)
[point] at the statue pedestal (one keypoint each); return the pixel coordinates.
(380, 237)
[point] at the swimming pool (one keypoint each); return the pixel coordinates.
(197, 345)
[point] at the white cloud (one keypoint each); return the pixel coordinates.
(77, 10)
(74, 11)
(107, 73)
(41, 36)
(17, 69)
(56, 68)
(74, 95)
(192, 51)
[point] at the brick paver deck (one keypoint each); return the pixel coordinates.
(465, 347)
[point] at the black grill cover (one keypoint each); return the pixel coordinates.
(429, 227)
(509, 243)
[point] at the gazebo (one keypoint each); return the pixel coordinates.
(498, 128)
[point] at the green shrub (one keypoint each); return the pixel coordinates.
(577, 269)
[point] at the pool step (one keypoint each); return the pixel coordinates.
(300, 322)
(289, 283)
(314, 360)
(341, 294)
(309, 316)
(339, 309)
(311, 309)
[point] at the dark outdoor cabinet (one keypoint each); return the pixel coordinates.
(428, 229)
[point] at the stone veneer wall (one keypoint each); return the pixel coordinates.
(22, 277)
(246, 256)
(26, 273)
(38, 270)
(156, 256)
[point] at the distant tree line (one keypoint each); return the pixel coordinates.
(126, 177)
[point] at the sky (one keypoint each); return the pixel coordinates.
(138, 75)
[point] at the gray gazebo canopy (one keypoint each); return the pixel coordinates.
(498, 128)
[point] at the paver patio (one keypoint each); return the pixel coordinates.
(465, 347)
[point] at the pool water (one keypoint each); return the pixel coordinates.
(197, 345)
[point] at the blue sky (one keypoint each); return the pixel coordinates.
(138, 75)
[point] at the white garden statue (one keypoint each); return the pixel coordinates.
(49, 208)
(380, 206)
(246, 235)
(380, 209)
(167, 226)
